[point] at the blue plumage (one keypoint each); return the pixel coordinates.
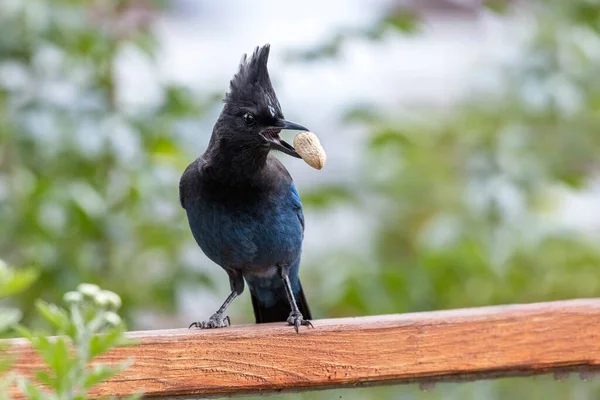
(259, 235)
(243, 208)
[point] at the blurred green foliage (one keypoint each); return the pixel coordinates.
(86, 329)
(462, 200)
(466, 196)
(88, 183)
(12, 282)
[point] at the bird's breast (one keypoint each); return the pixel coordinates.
(255, 235)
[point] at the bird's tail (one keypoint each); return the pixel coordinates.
(281, 310)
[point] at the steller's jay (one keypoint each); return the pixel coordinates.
(242, 205)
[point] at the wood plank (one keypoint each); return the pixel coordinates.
(461, 344)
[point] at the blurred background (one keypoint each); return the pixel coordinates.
(462, 141)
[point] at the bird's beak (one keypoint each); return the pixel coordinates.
(271, 134)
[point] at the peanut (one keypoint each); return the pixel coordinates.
(307, 145)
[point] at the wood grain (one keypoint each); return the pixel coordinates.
(446, 345)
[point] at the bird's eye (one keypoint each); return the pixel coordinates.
(249, 119)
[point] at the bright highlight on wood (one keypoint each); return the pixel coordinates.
(455, 345)
(309, 147)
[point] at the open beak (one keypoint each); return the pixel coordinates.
(271, 134)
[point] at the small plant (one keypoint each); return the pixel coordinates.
(87, 328)
(11, 282)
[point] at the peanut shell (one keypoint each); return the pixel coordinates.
(309, 147)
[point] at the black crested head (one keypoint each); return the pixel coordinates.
(252, 118)
(251, 85)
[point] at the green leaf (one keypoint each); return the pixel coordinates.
(497, 6)
(45, 378)
(15, 281)
(31, 391)
(44, 348)
(61, 363)
(165, 146)
(102, 372)
(101, 343)
(55, 354)
(327, 196)
(388, 137)
(24, 332)
(403, 21)
(55, 315)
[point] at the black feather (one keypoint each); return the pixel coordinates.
(281, 310)
(252, 81)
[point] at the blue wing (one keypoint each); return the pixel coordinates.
(297, 204)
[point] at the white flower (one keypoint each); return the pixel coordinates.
(113, 298)
(107, 298)
(112, 318)
(101, 299)
(88, 289)
(72, 297)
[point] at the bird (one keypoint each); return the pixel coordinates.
(242, 205)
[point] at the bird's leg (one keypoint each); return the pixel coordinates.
(217, 320)
(296, 319)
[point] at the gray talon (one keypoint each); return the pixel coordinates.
(297, 320)
(215, 321)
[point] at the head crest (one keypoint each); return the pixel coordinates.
(252, 83)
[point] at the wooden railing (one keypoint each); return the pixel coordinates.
(456, 345)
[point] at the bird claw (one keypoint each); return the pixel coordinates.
(215, 321)
(296, 320)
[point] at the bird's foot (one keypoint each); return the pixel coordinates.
(296, 319)
(217, 320)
